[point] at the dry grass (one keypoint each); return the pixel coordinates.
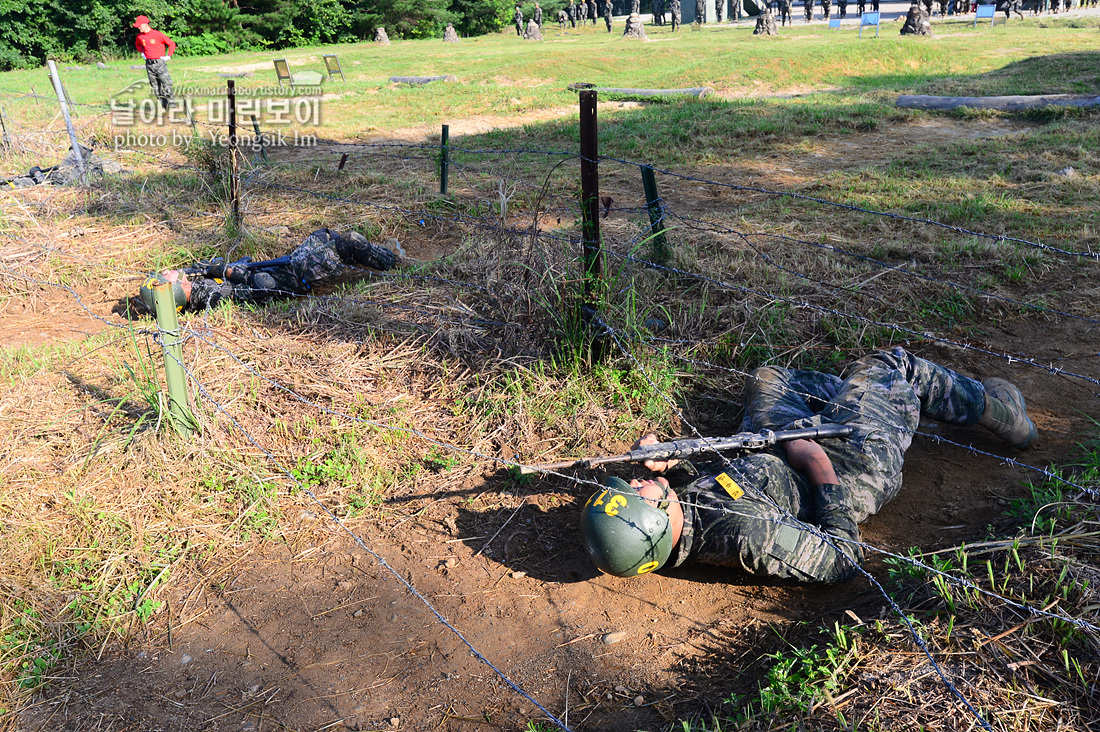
(476, 347)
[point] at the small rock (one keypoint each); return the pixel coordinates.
(393, 618)
(101, 65)
(622, 690)
(394, 721)
(639, 701)
(518, 575)
(179, 693)
(450, 562)
(1067, 172)
(278, 230)
(610, 696)
(395, 246)
(137, 67)
(358, 613)
(185, 659)
(655, 325)
(610, 639)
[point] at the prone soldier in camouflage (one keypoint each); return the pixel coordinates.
(770, 513)
(323, 256)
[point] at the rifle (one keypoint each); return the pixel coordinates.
(217, 268)
(684, 448)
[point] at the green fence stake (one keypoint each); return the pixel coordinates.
(656, 212)
(444, 160)
(263, 150)
(174, 373)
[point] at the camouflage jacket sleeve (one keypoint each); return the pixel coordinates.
(207, 292)
(786, 536)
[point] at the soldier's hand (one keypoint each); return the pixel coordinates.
(657, 466)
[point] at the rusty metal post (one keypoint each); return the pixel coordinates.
(234, 172)
(590, 196)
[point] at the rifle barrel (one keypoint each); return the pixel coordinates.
(706, 444)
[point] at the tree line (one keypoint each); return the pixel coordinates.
(83, 30)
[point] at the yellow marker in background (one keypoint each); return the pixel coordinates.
(730, 485)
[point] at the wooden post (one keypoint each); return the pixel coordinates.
(444, 159)
(174, 373)
(68, 120)
(343, 161)
(263, 150)
(234, 173)
(656, 215)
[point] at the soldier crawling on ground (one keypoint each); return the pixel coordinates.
(322, 257)
(794, 511)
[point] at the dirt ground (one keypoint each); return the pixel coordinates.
(322, 636)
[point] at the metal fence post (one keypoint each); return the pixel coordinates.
(234, 180)
(590, 194)
(656, 215)
(68, 120)
(174, 373)
(444, 159)
(260, 137)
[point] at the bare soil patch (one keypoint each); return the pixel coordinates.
(316, 634)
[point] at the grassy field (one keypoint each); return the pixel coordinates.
(474, 350)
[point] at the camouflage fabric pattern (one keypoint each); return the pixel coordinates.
(323, 256)
(882, 397)
(592, 11)
(808, 7)
(538, 16)
(517, 18)
(674, 12)
(159, 80)
(826, 8)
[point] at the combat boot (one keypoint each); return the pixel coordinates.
(1005, 414)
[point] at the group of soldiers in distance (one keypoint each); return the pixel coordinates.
(578, 12)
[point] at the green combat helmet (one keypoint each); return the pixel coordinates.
(623, 534)
(149, 297)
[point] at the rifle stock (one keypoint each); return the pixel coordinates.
(686, 448)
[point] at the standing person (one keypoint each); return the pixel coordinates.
(674, 11)
(826, 8)
(808, 7)
(157, 49)
(538, 16)
(794, 511)
(861, 7)
(518, 18)
(571, 11)
(874, 5)
(658, 12)
(593, 12)
(718, 10)
(582, 12)
(785, 12)
(842, 8)
(607, 14)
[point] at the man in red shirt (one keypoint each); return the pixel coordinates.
(157, 49)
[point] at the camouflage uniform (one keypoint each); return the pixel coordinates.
(674, 11)
(323, 256)
(784, 12)
(571, 11)
(718, 10)
(826, 8)
(700, 11)
(607, 14)
(582, 12)
(882, 396)
(658, 12)
(593, 13)
(808, 6)
(538, 15)
(842, 8)
(517, 17)
(160, 80)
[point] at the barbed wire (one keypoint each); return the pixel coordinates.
(363, 545)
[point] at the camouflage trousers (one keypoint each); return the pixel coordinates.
(160, 80)
(882, 396)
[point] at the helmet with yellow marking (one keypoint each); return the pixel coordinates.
(622, 533)
(149, 298)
